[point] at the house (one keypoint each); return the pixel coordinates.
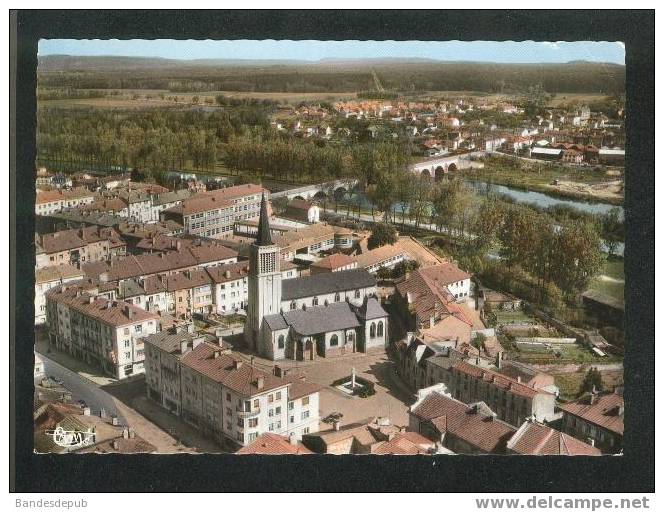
(460, 428)
(52, 201)
(359, 438)
(231, 292)
(104, 333)
(333, 263)
(546, 153)
(77, 247)
(533, 438)
(597, 418)
(99, 435)
(386, 256)
(274, 444)
(47, 278)
(426, 300)
(302, 210)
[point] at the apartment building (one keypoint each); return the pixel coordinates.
(458, 427)
(52, 201)
(512, 400)
(226, 397)
(597, 419)
(77, 247)
(104, 333)
(213, 214)
(231, 291)
(47, 278)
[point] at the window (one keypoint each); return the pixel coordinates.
(291, 405)
(337, 297)
(270, 413)
(277, 396)
(253, 423)
(126, 331)
(293, 305)
(292, 419)
(253, 436)
(126, 343)
(256, 403)
(357, 294)
(270, 399)
(271, 427)
(372, 330)
(277, 411)
(314, 301)
(282, 342)
(380, 329)
(305, 415)
(334, 340)
(305, 430)
(228, 397)
(305, 400)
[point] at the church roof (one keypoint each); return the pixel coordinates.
(275, 322)
(326, 282)
(371, 309)
(316, 320)
(264, 237)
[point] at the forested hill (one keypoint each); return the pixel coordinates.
(329, 75)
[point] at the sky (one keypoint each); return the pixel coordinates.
(483, 51)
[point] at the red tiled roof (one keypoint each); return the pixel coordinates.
(427, 288)
(51, 196)
(537, 439)
(273, 444)
(465, 422)
(605, 411)
(404, 443)
(223, 368)
(498, 380)
(109, 312)
(333, 261)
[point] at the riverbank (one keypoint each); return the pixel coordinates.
(580, 183)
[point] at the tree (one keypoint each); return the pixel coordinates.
(382, 234)
(577, 256)
(592, 381)
(478, 341)
(612, 230)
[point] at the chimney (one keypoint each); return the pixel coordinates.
(337, 425)
(178, 245)
(91, 299)
(431, 322)
(518, 379)
(292, 439)
(260, 382)
(591, 441)
(227, 274)
(132, 434)
(115, 445)
(184, 344)
(128, 311)
(125, 433)
(499, 360)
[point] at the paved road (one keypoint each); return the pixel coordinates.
(82, 389)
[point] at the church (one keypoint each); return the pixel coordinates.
(307, 317)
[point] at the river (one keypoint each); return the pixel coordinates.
(541, 199)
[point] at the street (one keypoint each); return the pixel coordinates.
(82, 389)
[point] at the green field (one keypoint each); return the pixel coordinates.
(611, 280)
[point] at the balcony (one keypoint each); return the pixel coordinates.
(247, 414)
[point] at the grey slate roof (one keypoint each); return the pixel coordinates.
(316, 320)
(264, 237)
(275, 322)
(371, 309)
(326, 282)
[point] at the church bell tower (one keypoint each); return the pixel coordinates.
(264, 281)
